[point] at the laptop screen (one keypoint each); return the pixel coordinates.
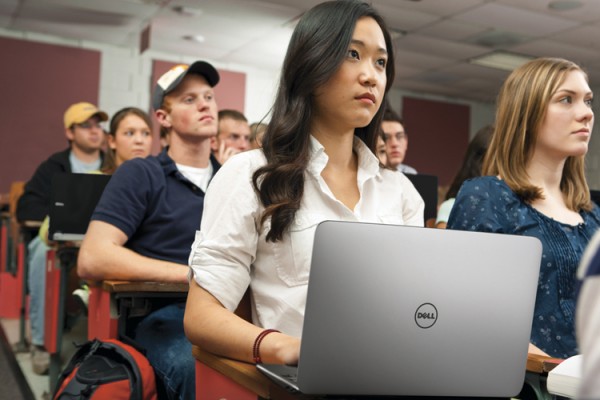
(72, 201)
(427, 186)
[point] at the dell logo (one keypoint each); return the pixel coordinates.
(426, 315)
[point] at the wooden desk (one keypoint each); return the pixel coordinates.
(541, 364)
(144, 287)
(59, 263)
(536, 376)
(13, 275)
(112, 302)
(223, 378)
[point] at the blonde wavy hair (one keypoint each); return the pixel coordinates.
(521, 108)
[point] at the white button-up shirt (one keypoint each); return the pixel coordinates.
(230, 251)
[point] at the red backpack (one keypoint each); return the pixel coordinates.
(107, 370)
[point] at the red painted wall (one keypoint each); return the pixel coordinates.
(438, 135)
(39, 81)
(230, 92)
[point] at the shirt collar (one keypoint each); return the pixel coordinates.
(368, 164)
(169, 165)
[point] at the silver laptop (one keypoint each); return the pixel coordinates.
(397, 310)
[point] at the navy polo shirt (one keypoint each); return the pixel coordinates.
(155, 206)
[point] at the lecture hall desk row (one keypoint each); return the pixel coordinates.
(112, 302)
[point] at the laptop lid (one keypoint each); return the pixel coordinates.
(398, 310)
(427, 186)
(72, 201)
(595, 195)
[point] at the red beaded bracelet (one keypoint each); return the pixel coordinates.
(257, 341)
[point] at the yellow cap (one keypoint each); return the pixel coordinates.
(81, 112)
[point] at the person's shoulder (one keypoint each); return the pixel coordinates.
(484, 184)
(394, 181)
(593, 214)
(138, 172)
(407, 169)
(150, 163)
(246, 161)
(393, 175)
(60, 157)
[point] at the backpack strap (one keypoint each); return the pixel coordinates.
(137, 390)
(83, 352)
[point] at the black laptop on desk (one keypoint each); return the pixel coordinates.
(595, 195)
(427, 186)
(73, 199)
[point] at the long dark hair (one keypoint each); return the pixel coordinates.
(317, 48)
(473, 160)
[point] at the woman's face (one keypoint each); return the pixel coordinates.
(132, 139)
(567, 126)
(352, 96)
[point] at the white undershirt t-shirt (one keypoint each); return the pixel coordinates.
(80, 167)
(198, 176)
(230, 250)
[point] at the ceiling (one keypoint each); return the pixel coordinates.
(434, 38)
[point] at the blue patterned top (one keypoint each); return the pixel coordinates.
(487, 204)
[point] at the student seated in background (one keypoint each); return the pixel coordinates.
(257, 131)
(470, 168)
(317, 163)
(588, 320)
(233, 136)
(129, 136)
(396, 140)
(147, 216)
(536, 186)
(85, 136)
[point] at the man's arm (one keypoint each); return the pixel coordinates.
(104, 256)
(34, 204)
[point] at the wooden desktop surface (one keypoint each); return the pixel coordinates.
(541, 364)
(112, 286)
(246, 374)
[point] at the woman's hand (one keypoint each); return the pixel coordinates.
(278, 348)
(533, 349)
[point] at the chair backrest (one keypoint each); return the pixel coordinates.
(16, 190)
(14, 228)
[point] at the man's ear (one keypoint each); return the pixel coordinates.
(69, 134)
(163, 117)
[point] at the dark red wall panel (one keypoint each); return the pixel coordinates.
(39, 81)
(438, 136)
